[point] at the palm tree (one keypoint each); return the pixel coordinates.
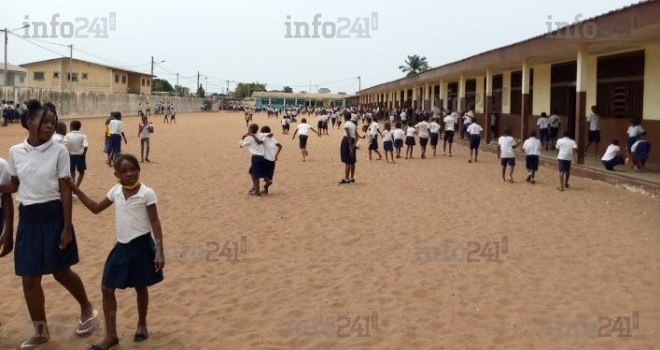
(414, 65)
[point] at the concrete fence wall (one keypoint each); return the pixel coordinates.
(96, 104)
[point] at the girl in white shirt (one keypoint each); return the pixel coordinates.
(388, 142)
(135, 261)
(410, 139)
(45, 240)
(258, 167)
(398, 135)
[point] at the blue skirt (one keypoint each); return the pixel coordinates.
(387, 145)
(373, 144)
(345, 152)
(270, 169)
(398, 143)
(259, 167)
(37, 240)
(434, 138)
(115, 143)
(410, 141)
(131, 265)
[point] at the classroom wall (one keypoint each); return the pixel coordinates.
(541, 96)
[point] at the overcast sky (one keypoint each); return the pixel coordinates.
(244, 41)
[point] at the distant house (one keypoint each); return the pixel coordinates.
(16, 76)
(288, 99)
(86, 76)
(324, 91)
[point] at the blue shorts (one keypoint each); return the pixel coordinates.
(115, 144)
(449, 136)
(410, 141)
(398, 143)
(258, 167)
(345, 152)
(37, 250)
(544, 134)
(475, 140)
(423, 141)
(302, 141)
(532, 162)
(564, 165)
(131, 265)
(373, 144)
(593, 136)
(387, 145)
(270, 169)
(508, 161)
(434, 139)
(78, 163)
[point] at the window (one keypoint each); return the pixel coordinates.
(470, 94)
(56, 75)
(38, 75)
(142, 82)
(620, 85)
(516, 91)
(123, 79)
(21, 79)
(72, 77)
(116, 78)
(148, 82)
(452, 96)
(84, 76)
(562, 91)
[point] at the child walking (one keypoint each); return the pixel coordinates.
(410, 139)
(566, 146)
(76, 143)
(145, 128)
(474, 130)
(505, 145)
(45, 240)
(398, 135)
(303, 132)
(135, 261)
(116, 130)
(373, 132)
(532, 147)
(434, 129)
(388, 139)
(258, 167)
(270, 154)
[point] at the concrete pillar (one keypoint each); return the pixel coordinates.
(488, 103)
(581, 82)
(427, 100)
(444, 103)
(525, 109)
(461, 94)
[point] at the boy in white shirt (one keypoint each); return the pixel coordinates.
(565, 146)
(543, 125)
(594, 131)
(505, 145)
(555, 123)
(424, 134)
(272, 150)
(474, 130)
(612, 156)
(373, 132)
(434, 130)
(532, 148)
(450, 125)
(303, 132)
(76, 143)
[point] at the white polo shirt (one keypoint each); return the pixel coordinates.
(270, 146)
(543, 123)
(131, 218)
(5, 178)
(450, 122)
(76, 142)
(410, 131)
(423, 128)
(387, 135)
(373, 129)
(398, 134)
(474, 129)
(303, 129)
(434, 127)
(532, 146)
(593, 121)
(554, 121)
(351, 127)
(57, 138)
(611, 152)
(506, 146)
(252, 145)
(565, 146)
(39, 170)
(116, 127)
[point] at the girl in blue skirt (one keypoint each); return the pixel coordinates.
(135, 261)
(45, 242)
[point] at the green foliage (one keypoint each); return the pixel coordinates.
(162, 85)
(246, 89)
(414, 65)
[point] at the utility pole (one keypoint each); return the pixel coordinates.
(177, 85)
(359, 83)
(197, 81)
(206, 90)
(71, 68)
(4, 74)
(152, 68)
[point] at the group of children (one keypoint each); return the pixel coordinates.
(39, 170)
(264, 150)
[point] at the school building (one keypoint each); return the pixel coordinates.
(85, 77)
(290, 99)
(611, 61)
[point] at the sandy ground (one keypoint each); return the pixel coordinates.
(314, 247)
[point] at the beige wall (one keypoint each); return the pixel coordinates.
(506, 92)
(541, 94)
(652, 82)
(481, 98)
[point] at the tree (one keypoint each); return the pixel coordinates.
(200, 91)
(246, 89)
(178, 89)
(162, 85)
(414, 65)
(288, 89)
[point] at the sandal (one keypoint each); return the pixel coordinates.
(344, 181)
(87, 326)
(27, 345)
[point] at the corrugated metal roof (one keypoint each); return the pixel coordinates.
(85, 61)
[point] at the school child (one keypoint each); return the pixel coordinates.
(60, 132)
(76, 143)
(173, 114)
(450, 125)
(106, 134)
(303, 131)
(474, 130)
(116, 130)
(285, 125)
(270, 154)
(424, 134)
(505, 146)
(634, 130)
(532, 148)
(166, 115)
(467, 120)
(7, 208)
(136, 261)
(612, 156)
(410, 139)
(45, 240)
(373, 132)
(543, 125)
(258, 167)
(145, 128)
(398, 136)
(388, 139)
(566, 146)
(434, 130)
(348, 149)
(594, 131)
(555, 123)
(640, 152)
(140, 109)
